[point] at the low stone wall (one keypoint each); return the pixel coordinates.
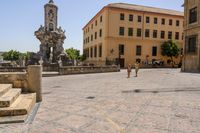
(50, 68)
(18, 79)
(29, 81)
(13, 69)
(87, 70)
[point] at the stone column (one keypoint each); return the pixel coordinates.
(35, 81)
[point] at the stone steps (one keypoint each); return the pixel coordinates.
(4, 88)
(22, 106)
(13, 104)
(8, 98)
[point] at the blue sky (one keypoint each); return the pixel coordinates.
(20, 18)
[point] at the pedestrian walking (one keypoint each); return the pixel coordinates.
(129, 70)
(137, 65)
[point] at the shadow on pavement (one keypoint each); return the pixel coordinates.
(162, 90)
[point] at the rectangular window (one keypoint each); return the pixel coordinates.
(84, 52)
(96, 23)
(121, 49)
(139, 19)
(122, 16)
(139, 32)
(95, 37)
(170, 22)
(163, 21)
(147, 19)
(101, 19)
(130, 31)
(193, 15)
(177, 22)
(92, 26)
(91, 52)
(100, 33)
(130, 17)
(154, 51)
(177, 36)
(100, 51)
(192, 42)
(88, 54)
(138, 50)
(91, 37)
(162, 35)
(155, 20)
(155, 33)
(95, 51)
(170, 35)
(121, 31)
(147, 33)
(88, 39)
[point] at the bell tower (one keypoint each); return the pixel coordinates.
(51, 11)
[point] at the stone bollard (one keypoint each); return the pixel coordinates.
(35, 81)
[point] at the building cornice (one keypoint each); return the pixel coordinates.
(118, 8)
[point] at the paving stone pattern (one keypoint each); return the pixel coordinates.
(158, 101)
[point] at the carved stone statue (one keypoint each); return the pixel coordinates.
(60, 62)
(41, 61)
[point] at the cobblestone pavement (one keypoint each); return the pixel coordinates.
(158, 101)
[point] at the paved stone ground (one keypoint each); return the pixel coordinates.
(158, 101)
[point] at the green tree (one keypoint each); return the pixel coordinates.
(73, 53)
(11, 55)
(170, 49)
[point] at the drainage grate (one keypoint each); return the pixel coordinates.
(91, 97)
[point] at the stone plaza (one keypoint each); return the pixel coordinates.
(158, 101)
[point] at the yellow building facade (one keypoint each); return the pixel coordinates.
(128, 33)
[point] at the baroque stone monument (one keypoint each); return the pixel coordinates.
(51, 37)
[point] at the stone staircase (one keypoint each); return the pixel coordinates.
(14, 104)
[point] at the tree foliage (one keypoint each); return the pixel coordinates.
(73, 54)
(11, 55)
(14, 55)
(170, 49)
